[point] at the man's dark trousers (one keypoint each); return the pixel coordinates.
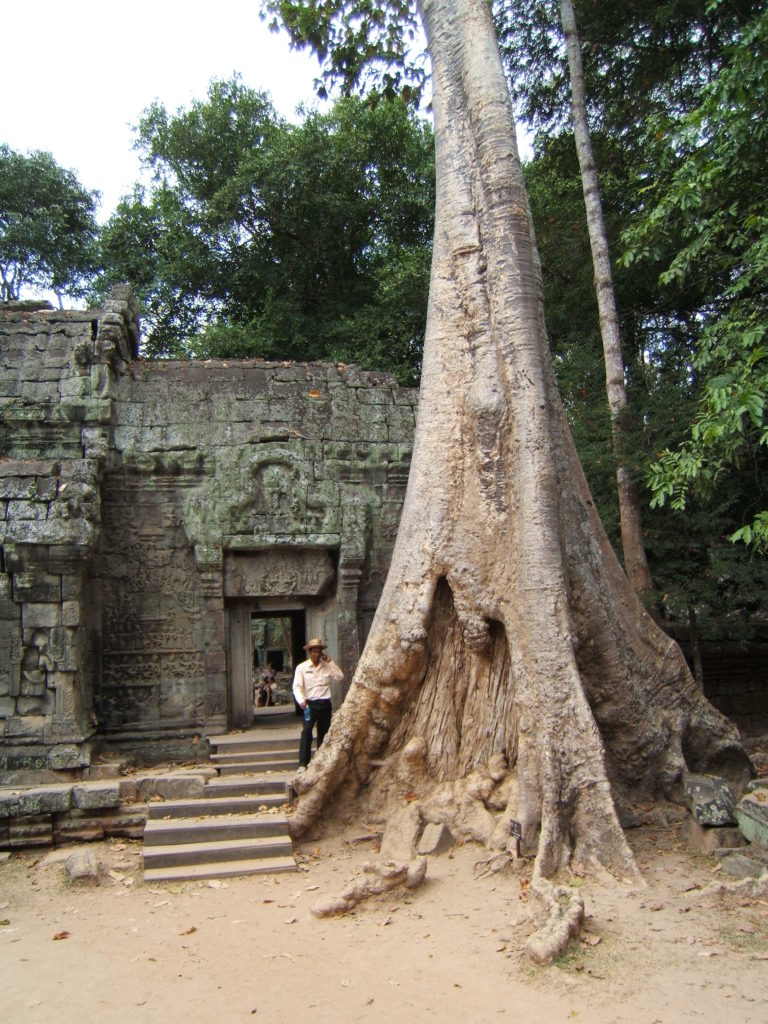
(320, 712)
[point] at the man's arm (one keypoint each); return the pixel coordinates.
(299, 689)
(336, 674)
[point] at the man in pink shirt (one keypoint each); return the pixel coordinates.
(312, 690)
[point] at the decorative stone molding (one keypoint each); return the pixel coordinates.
(277, 573)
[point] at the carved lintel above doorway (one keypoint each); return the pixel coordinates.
(277, 573)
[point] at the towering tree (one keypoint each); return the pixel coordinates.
(297, 241)
(507, 632)
(48, 227)
(635, 561)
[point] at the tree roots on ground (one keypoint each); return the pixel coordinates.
(376, 879)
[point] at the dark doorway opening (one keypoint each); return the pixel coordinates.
(251, 645)
(276, 642)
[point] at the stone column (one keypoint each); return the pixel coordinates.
(209, 561)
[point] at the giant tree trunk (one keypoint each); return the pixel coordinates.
(635, 561)
(507, 629)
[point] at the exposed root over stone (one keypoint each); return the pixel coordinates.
(493, 865)
(377, 878)
(479, 808)
(563, 918)
(754, 888)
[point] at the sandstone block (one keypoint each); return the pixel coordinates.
(401, 833)
(34, 706)
(44, 800)
(81, 866)
(7, 704)
(66, 554)
(107, 770)
(36, 587)
(24, 467)
(709, 839)
(709, 799)
(27, 510)
(752, 816)
(9, 803)
(66, 755)
(17, 487)
(26, 557)
(33, 831)
(125, 823)
(30, 727)
(47, 488)
(92, 795)
(742, 866)
(137, 788)
(37, 616)
(435, 839)
(179, 786)
(78, 830)
(70, 613)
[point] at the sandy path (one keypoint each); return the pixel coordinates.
(451, 951)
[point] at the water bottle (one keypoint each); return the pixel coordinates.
(307, 713)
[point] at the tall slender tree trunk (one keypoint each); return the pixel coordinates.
(695, 641)
(507, 633)
(635, 562)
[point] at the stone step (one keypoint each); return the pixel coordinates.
(269, 739)
(166, 832)
(254, 747)
(288, 764)
(221, 869)
(221, 833)
(249, 785)
(256, 756)
(216, 805)
(213, 852)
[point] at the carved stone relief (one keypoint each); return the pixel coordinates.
(277, 573)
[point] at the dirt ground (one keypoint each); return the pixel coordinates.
(246, 948)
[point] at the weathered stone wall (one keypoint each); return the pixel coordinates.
(58, 373)
(150, 507)
(234, 480)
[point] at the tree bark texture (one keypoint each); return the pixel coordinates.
(635, 562)
(507, 629)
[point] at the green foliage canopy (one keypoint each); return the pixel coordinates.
(707, 216)
(48, 230)
(364, 45)
(260, 237)
(640, 58)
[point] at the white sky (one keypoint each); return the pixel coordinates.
(76, 74)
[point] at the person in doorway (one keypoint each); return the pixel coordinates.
(312, 692)
(267, 687)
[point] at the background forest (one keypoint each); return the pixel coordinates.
(260, 237)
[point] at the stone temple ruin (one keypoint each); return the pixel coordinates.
(151, 512)
(167, 526)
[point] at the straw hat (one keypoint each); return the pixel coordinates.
(315, 642)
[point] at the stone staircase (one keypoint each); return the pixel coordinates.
(238, 826)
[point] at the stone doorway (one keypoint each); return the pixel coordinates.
(277, 640)
(255, 637)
